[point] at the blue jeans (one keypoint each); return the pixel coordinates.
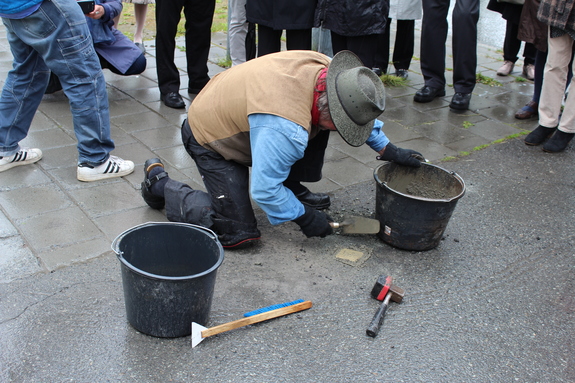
(55, 38)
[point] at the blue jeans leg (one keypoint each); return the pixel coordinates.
(58, 35)
(21, 96)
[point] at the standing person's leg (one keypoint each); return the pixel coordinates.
(404, 45)
(298, 39)
(432, 53)
(531, 108)
(464, 37)
(554, 80)
(22, 93)
(140, 12)
(237, 31)
(338, 42)
(433, 37)
(381, 60)
(67, 50)
(529, 53)
(167, 19)
(199, 15)
(553, 90)
(566, 129)
(465, 17)
(364, 47)
(269, 40)
(511, 46)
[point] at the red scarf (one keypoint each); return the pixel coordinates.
(319, 88)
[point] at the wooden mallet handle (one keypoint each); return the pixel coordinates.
(256, 318)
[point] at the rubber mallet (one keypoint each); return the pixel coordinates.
(384, 290)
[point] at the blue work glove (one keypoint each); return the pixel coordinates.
(401, 156)
(314, 223)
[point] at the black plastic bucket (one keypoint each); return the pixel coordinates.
(168, 274)
(414, 205)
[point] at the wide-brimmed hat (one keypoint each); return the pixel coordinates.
(355, 95)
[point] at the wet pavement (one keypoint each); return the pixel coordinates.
(493, 302)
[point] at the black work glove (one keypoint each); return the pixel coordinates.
(314, 223)
(401, 156)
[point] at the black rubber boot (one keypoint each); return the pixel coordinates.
(153, 200)
(235, 235)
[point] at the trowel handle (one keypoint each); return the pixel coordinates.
(335, 225)
(375, 324)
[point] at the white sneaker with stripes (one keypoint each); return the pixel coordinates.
(23, 157)
(113, 167)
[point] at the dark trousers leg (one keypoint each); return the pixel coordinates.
(511, 44)
(529, 53)
(298, 39)
(227, 184)
(381, 58)
(167, 19)
(199, 15)
(364, 47)
(433, 38)
(269, 40)
(404, 44)
(308, 168)
(540, 60)
(464, 42)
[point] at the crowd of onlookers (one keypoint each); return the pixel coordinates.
(362, 26)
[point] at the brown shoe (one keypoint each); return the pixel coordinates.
(528, 111)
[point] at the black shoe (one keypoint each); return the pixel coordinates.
(558, 142)
(173, 100)
(538, 135)
(154, 201)
(460, 101)
(402, 73)
(318, 201)
(428, 94)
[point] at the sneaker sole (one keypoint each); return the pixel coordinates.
(99, 177)
(19, 163)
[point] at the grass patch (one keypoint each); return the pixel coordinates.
(467, 124)
(393, 81)
(482, 79)
(520, 79)
(225, 63)
(481, 147)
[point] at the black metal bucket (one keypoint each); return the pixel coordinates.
(168, 274)
(414, 205)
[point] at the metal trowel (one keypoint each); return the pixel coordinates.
(357, 225)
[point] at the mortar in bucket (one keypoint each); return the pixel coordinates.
(168, 274)
(414, 205)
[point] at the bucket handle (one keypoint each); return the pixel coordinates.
(116, 241)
